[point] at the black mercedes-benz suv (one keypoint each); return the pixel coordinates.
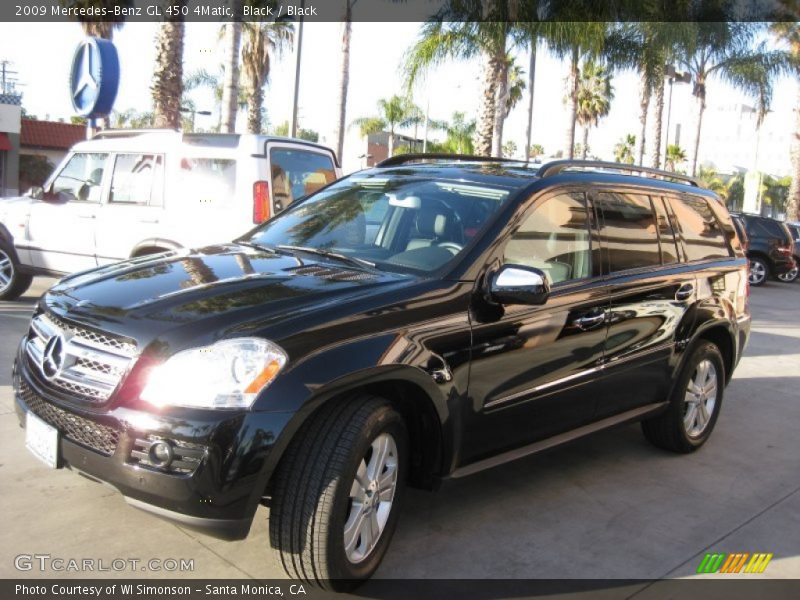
(414, 322)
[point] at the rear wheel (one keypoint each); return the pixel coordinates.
(694, 406)
(337, 493)
(12, 283)
(758, 271)
(790, 276)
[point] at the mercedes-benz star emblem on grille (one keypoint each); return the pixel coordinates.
(53, 356)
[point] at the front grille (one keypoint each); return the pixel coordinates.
(85, 363)
(92, 435)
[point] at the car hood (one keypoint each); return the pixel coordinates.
(228, 284)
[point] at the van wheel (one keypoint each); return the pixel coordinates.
(12, 283)
(694, 406)
(338, 491)
(758, 271)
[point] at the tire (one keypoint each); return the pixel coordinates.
(314, 495)
(670, 429)
(12, 283)
(791, 276)
(759, 272)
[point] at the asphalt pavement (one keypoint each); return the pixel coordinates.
(608, 506)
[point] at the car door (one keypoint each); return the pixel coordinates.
(131, 214)
(650, 294)
(533, 366)
(62, 226)
(297, 171)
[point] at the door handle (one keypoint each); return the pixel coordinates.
(590, 321)
(684, 292)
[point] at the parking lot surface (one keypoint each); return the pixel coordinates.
(608, 506)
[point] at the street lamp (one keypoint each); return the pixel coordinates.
(193, 112)
(674, 77)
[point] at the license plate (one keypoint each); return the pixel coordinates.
(42, 440)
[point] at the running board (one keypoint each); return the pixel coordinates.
(557, 440)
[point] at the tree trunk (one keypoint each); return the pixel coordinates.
(793, 200)
(500, 108)
(531, 82)
(644, 104)
(585, 142)
(701, 107)
(569, 151)
(485, 128)
(658, 115)
(230, 87)
(255, 101)
(167, 87)
(391, 142)
(344, 80)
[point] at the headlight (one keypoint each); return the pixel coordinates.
(228, 374)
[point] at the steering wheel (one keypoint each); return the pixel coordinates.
(451, 246)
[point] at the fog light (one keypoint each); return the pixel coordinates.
(161, 454)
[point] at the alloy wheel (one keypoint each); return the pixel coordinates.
(758, 272)
(700, 398)
(371, 497)
(790, 276)
(6, 271)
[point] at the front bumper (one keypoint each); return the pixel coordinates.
(218, 496)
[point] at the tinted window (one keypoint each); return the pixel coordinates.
(702, 235)
(298, 173)
(208, 180)
(766, 228)
(554, 237)
(629, 231)
(137, 179)
(81, 178)
(666, 234)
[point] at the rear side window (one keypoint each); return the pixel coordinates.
(766, 228)
(298, 173)
(210, 181)
(629, 231)
(703, 237)
(137, 179)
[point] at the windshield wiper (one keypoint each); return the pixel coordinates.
(258, 246)
(328, 254)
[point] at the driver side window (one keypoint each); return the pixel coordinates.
(554, 237)
(81, 178)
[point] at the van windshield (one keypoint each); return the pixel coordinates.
(397, 223)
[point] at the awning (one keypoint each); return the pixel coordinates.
(5, 143)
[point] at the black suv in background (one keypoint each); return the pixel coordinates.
(421, 320)
(770, 247)
(790, 276)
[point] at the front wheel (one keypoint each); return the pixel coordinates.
(694, 406)
(338, 492)
(12, 283)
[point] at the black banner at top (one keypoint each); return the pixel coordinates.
(221, 11)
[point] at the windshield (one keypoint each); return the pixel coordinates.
(395, 223)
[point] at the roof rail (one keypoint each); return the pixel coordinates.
(555, 167)
(110, 133)
(402, 159)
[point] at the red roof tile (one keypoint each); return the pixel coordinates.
(50, 134)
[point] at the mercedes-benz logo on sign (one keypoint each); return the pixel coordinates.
(53, 356)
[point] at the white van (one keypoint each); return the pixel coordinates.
(127, 193)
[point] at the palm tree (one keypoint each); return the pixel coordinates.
(261, 39)
(344, 76)
(711, 180)
(533, 31)
(535, 151)
(230, 88)
(730, 52)
(167, 87)
(393, 113)
(789, 33)
(508, 96)
(459, 33)
(102, 29)
(460, 134)
(675, 156)
(623, 149)
(594, 98)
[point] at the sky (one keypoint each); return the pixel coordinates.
(41, 53)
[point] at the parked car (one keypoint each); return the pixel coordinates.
(411, 323)
(790, 276)
(129, 193)
(769, 247)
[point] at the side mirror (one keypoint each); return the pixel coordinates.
(517, 284)
(36, 192)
